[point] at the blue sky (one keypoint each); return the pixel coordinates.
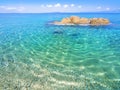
(41, 6)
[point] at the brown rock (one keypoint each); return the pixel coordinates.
(104, 21)
(94, 21)
(99, 21)
(84, 21)
(66, 21)
(75, 19)
(63, 21)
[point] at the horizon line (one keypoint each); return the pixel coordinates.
(50, 12)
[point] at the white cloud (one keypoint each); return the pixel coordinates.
(72, 5)
(107, 9)
(10, 8)
(20, 8)
(99, 7)
(57, 5)
(66, 5)
(49, 5)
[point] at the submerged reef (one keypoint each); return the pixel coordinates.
(75, 20)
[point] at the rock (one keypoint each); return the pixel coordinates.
(78, 20)
(84, 21)
(99, 21)
(63, 21)
(74, 34)
(75, 19)
(10, 59)
(3, 63)
(57, 32)
(66, 20)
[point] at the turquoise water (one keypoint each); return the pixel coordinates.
(35, 55)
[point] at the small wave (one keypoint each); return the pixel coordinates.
(66, 83)
(71, 24)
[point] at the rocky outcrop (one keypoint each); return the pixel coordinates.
(73, 20)
(66, 20)
(99, 21)
(84, 21)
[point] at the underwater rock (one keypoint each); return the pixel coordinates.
(57, 32)
(74, 34)
(10, 59)
(3, 62)
(73, 20)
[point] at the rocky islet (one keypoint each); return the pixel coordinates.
(75, 20)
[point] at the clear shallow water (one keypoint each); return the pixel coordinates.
(35, 55)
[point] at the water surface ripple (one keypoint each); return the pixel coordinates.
(38, 56)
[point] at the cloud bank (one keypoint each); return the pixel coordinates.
(56, 7)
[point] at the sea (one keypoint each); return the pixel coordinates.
(37, 55)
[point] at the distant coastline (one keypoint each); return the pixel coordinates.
(65, 13)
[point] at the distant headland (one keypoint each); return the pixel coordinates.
(75, 20)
